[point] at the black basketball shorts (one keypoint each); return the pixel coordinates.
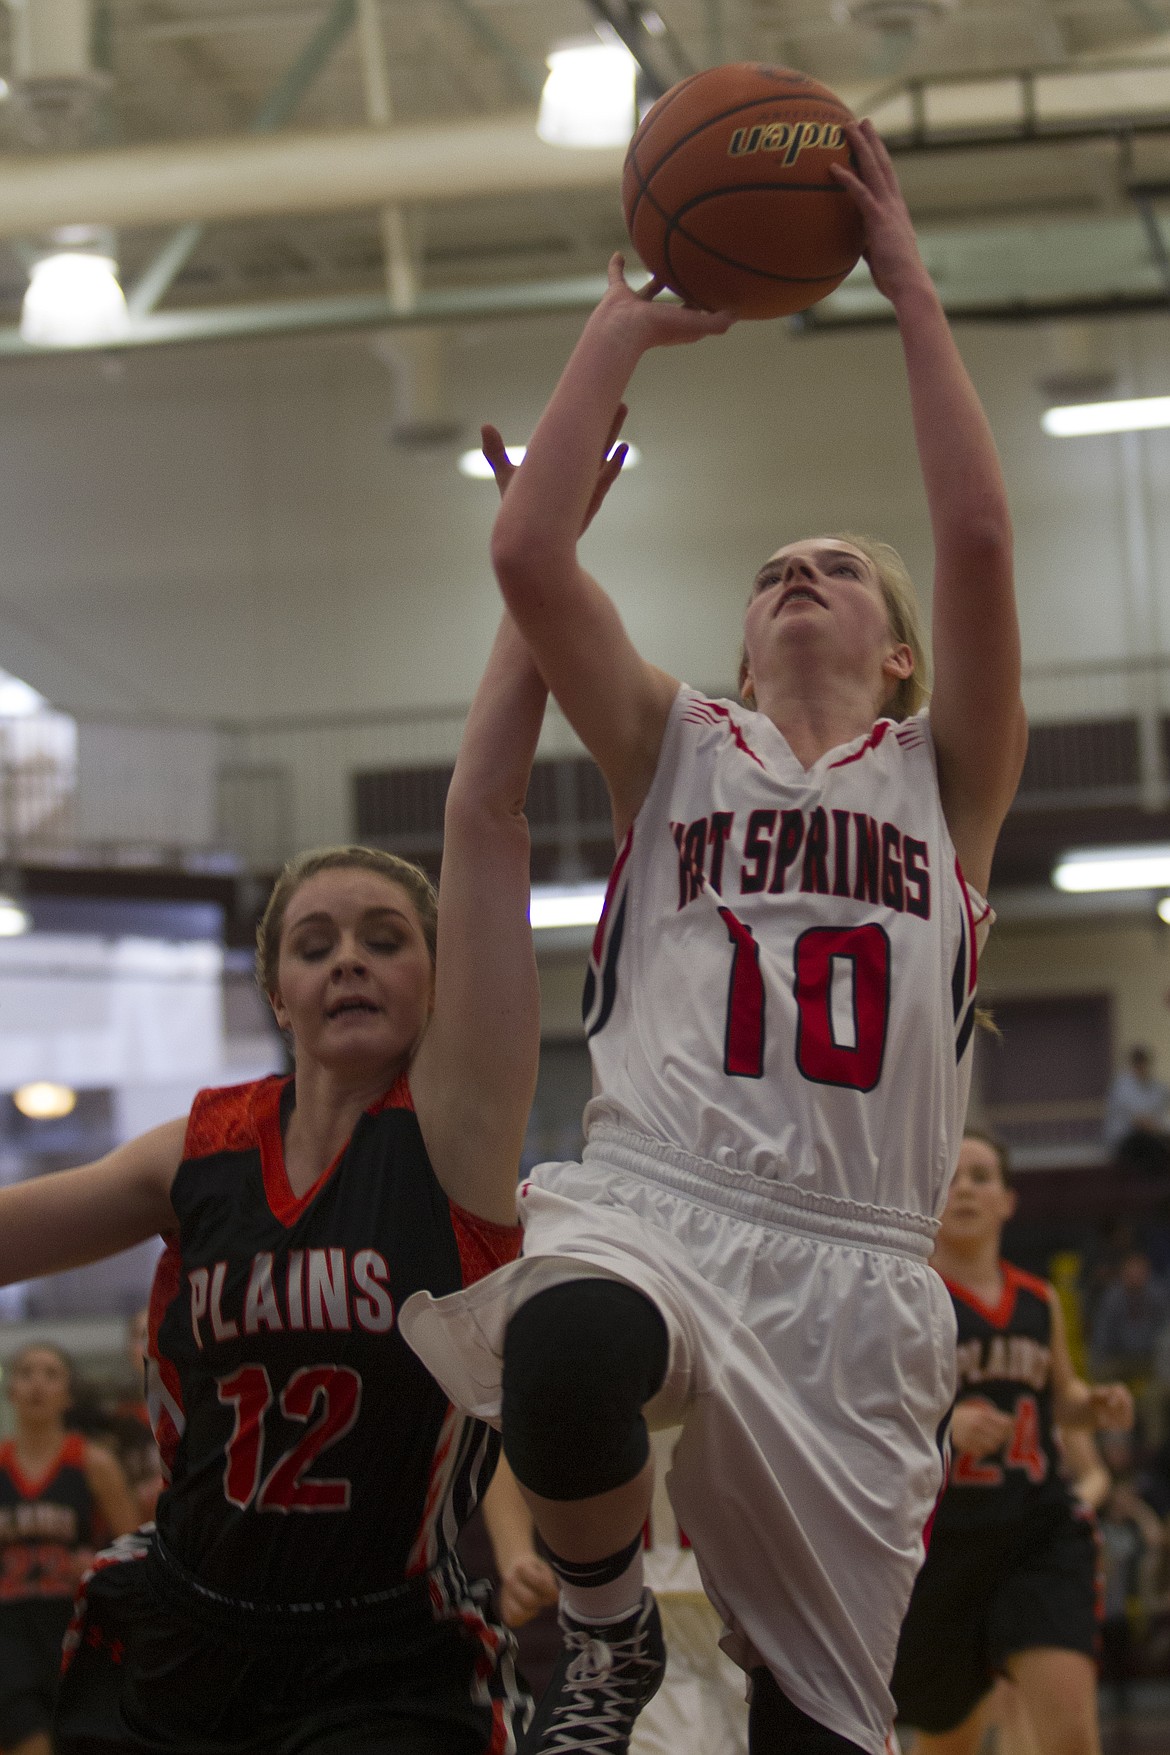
(984, 1595)
(30, 1663)
(148, 1673)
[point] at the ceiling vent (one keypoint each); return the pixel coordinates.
(56, 85)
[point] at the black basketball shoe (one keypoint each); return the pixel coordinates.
(605, 1676)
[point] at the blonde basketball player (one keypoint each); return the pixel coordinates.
(779, 1007)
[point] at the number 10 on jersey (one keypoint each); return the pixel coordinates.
(841, 980)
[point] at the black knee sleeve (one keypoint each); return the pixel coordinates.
(581, 1360)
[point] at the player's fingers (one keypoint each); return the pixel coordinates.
(652, 288)
(861, 148)
(880, 152)
(616, 272)
(612, 468)
(866, 140)
(850, 180)
(493, 447)
(615, 427)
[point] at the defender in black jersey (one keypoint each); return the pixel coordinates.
(302, 1566)
(1009, 1582)
(301, 1592)
(59, 1496)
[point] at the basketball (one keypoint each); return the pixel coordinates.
(727, 193)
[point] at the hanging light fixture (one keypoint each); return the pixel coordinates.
(14, 919)
(589, 97)
(45, 1100)
(73, 300)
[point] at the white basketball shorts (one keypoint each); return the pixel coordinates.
(812, 1358)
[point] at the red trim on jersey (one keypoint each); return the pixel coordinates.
(285, 1205)
(424, 1549)
(222, 1119)
(397, 1097)
(611, 886)
(164, 1290)
(701, 710)
(483, 1245)
(871, 743)
(490, 1644)
(70, 1455)
(1015, 1280)
(245, 1118)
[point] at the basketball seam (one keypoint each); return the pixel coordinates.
(665, 102)
(674, 224)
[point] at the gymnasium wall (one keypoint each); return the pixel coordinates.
(226, 533)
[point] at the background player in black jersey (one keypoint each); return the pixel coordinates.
(59, 1496)
(301, 1591)
(1009, 1582)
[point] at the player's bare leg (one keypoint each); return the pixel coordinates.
(589, 1529)
(964, 1739)
(614, 1659)
(1059, 1693)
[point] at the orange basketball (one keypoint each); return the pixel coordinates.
(727, 193)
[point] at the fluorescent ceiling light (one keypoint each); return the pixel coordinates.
(73, 298)
(14, 920)
(1113, 868)
(44, 1100)
(475, 466)
(1079, 419)
(555, 905)
(588, 97)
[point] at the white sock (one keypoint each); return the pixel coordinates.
(597, 1604)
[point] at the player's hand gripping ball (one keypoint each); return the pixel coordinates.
(728, 196)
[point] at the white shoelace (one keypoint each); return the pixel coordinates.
(603, 1687)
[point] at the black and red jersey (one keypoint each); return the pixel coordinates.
(43, 1523)
(310, 1456)
(1005, 1357)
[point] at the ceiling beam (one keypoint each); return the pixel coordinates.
(160, 272)
(292, 172)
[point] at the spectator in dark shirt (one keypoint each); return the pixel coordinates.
(1137, 1116)
(1129, 1316)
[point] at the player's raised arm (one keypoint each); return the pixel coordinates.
(53, 1223)
(475, 1073)
(616, 702)
(977, 716)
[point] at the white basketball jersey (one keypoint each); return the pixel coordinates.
(783, 978)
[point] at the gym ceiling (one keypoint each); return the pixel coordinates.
(277, 166)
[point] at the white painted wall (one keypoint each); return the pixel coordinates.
(226, 531)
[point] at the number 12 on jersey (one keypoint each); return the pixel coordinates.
(841, 980)
(332, 1392)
